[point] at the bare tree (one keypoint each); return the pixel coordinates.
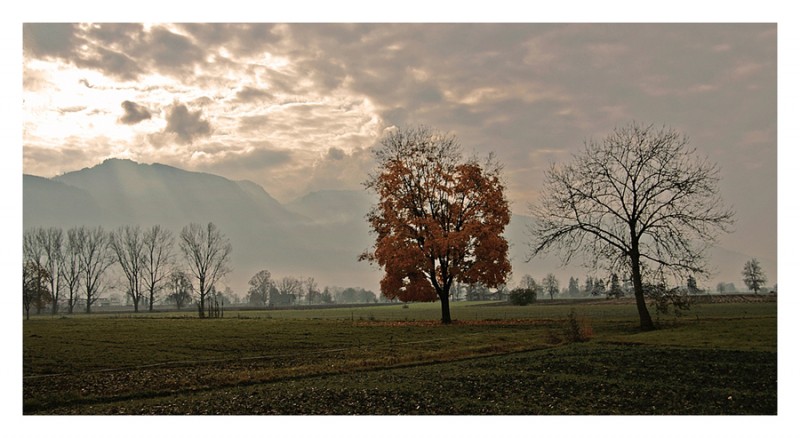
(753, 275)
(527, 282)
(207, 252)
(34, 285)
(260, 285)
(180, 288)
(33, 264)
(50, 240)
(70, 270)
(639, 201)
(289, 288)
(95, 258)
(158, 244)
(312, 290)
(550, 285)
(127, 245)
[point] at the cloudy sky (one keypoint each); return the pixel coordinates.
(296, 108)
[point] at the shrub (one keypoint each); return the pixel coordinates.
(665, 299)
(522, 297)
(576, 330)
(572, 329)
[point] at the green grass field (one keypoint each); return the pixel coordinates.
(495, 359)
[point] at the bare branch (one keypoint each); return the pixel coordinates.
(638, 199)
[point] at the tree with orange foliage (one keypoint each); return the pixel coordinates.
(439, 219)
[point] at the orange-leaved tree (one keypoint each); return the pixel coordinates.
(439, 219)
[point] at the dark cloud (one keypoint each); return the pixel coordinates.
(134, 113)
(428, 94)
(122, 36)
(85, 46)
(242, 39)
(252, 123)
(124, 51)
(251, 94)
(335, 153)
(111, 63)
(50, 39)
(186, 125)
(170, 51)
(224, 161)
(258, 159)
(280, 82)
(409, 71)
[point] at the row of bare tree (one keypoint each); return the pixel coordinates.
(71, 267)
(266, 291)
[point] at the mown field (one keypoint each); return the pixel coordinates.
(717, 358)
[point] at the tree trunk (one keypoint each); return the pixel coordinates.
(444, 298)
(645, 322)
(202, 290)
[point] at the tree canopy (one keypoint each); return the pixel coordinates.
(439, 218)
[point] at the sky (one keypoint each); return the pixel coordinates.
(297, 107)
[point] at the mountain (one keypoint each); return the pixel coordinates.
(130, 192)
(338, 206)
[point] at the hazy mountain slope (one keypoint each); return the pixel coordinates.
(329, 206)
(269, 209)
(46, 202)
(142, 193)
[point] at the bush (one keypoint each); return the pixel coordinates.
(576, 330)
(572, 329)
(665, 299)
(522, 297)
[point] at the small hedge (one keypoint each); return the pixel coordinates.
(522, 297)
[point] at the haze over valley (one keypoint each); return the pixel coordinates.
(317, 235)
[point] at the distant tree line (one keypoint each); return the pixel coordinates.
(265, 291)
(73, 270)
(613, 287)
